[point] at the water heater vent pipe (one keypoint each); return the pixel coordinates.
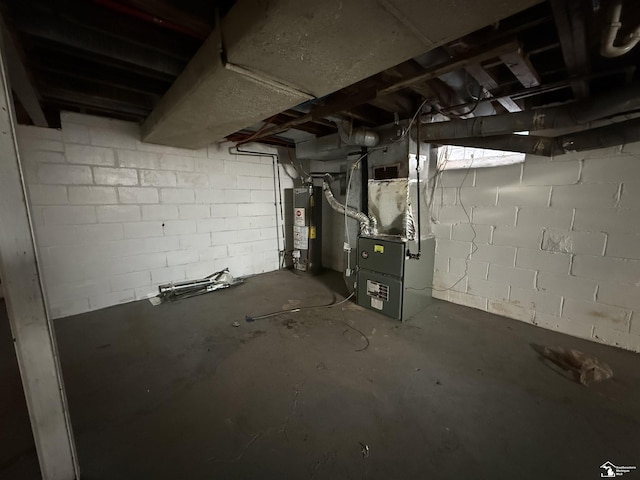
(360, 136)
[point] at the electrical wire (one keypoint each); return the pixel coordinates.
(440, 167)
(474, 246)
(408, 129)
(300, 174)
(358, 331)
(453, 114)
(316, 307)
(249, 318)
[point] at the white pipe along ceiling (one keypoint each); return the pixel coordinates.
(269, 56)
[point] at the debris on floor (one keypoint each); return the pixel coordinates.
(364, 449)
(586, 368)
(191, 288)
(235, 324)
(289, 323)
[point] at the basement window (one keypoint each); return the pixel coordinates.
(453, 158)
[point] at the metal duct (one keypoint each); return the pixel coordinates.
(268, 56)
(602, 137)
(507, 143)
(368, 225)
(548, 118)
(359, 136)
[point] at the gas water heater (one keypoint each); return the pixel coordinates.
(307, 229)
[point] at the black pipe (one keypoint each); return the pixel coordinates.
(284, 236)
(274, 157)
(608, 136)
(364, 180)
(547, 118)
(418, 190)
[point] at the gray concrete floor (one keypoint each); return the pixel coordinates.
(17, 450)
(176, 392)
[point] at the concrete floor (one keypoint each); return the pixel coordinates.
(175, 391)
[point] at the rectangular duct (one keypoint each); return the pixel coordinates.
(280, 53)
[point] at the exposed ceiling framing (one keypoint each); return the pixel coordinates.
(117, 58)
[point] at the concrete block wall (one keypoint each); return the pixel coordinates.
(115, 217)
(553, 242)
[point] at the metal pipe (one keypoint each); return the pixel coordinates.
(275, 203)
(360, 136)
(275, 159)
(179, 288)
(284, 236)
(607, 136)
(547, 118)
(147, 17)
(368, 224)
(608, 49)
(521, 94)
(418, 191)
(592, 139)
(364, 180)
(508, 143)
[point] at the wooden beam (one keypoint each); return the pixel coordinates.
(454, 64)
(247, 135)
(96, 73)
(512, 26)
(52, 81)
(62, 96)
(410, 68)
(394, 103)
(491, 86)
(310, 127)
(341, 101)
(39, 48)
(57, 106)
(201, 24)
(345, 99)
(71, 35)
(570, 22)
(20, 79)
(500, 94)
(31, 327)
(544, 48)
(484, 78)
(88, 15)
(295, 114)
(369, 115)
(522, 68)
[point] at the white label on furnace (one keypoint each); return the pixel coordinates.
(378, 290)
(376, 303)
(300, 237)
(298, 217)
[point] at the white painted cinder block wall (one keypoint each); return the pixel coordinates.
(557, 242)
(115, 217)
